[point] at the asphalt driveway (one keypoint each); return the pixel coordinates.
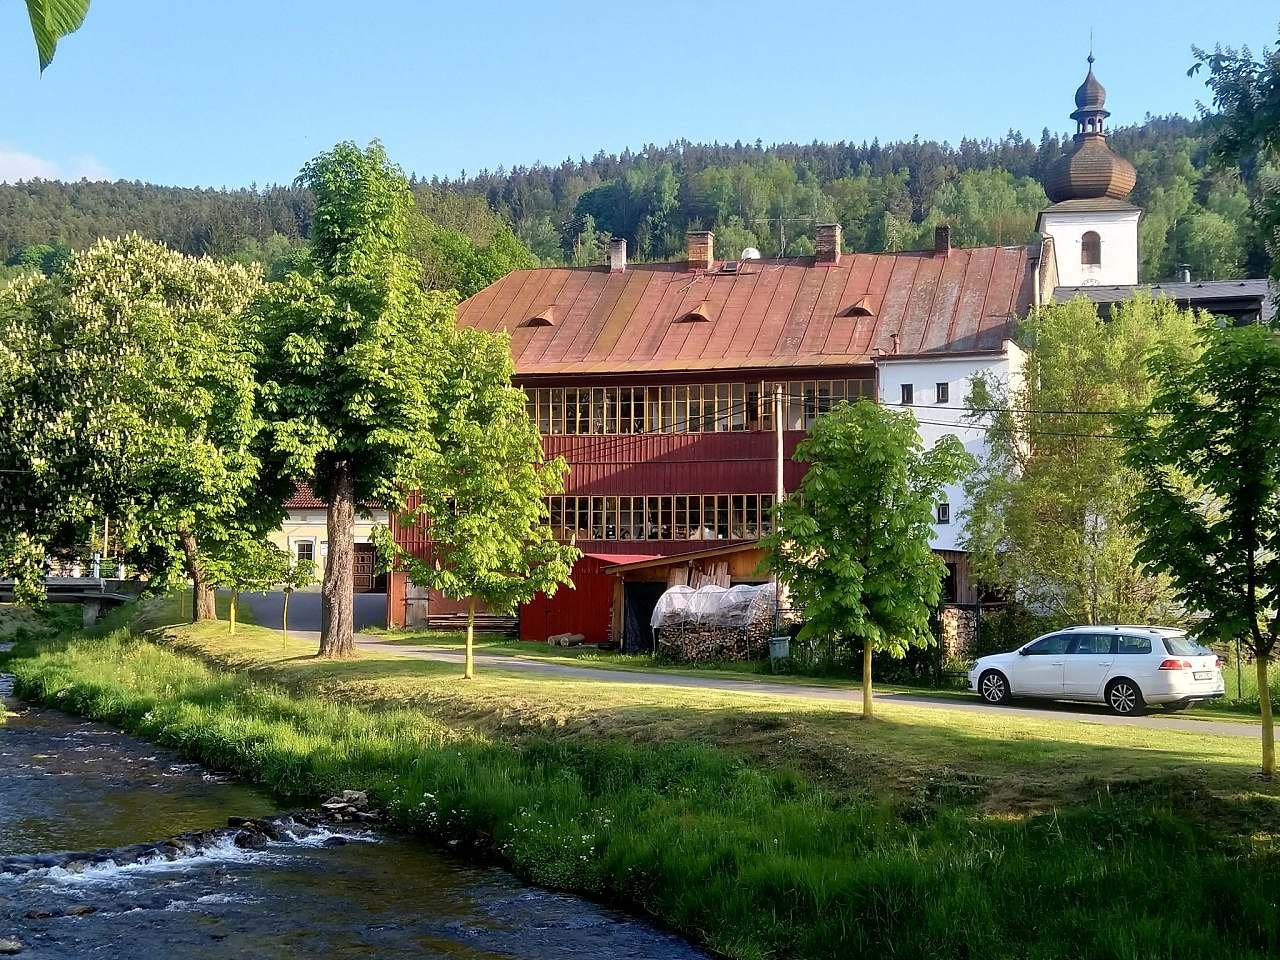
(304, 609)
(1083, 713)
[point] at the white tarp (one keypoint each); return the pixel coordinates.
(711, 606)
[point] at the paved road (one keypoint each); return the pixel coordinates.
(304, 610)
(1084, 713)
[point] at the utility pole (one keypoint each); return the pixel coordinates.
(779, 493)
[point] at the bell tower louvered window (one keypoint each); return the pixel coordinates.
(1091, 249)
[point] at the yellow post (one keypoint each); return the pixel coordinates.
(232, 609)
(866, 680)
(469, 672)
(1268, 724)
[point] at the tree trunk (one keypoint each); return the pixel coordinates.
(867, 712)
(231, 610)
(284, 619)
(469, 671)
(1268, 722)
(337, 611)
(202, 605)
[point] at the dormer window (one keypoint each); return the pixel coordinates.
(1091, 249)
(543, 318)
(698, 314)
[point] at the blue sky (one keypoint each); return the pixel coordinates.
(240, 91)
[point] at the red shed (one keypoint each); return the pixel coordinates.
(587, 609)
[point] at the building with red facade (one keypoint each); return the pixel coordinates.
(656, 383)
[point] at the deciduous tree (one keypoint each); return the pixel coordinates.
(132, 388)
(298, 574)
(484, 499)
(244, 563)
(353, 359)
(852, 544)
(1047, 505)
(1206, 458)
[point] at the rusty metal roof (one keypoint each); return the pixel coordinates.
(766, 313)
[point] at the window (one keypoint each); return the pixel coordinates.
(908, 394)
(1093, 645)
(1133, 645)
(943, 392)
(1091, 249)
(1051, 646)
(944, 513)
(306, 550)
(1180, 645)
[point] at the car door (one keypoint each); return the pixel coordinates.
(1040, 668)
(1088, 665)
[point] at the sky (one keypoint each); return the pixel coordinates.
(237, 92)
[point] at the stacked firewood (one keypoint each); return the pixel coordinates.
(705, 637)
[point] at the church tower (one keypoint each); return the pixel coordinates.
(1093, 225)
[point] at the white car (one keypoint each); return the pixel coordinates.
(1125, 667)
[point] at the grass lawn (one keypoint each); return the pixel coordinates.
(763, 827)
(750, 670)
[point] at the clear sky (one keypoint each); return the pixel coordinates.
(234, 92)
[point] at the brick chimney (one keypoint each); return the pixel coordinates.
(617, 255)
(828, 244)
(941, 241)
(701, 249)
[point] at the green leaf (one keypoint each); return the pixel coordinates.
(51, 20)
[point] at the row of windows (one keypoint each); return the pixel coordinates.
(941, 393)
(1094, 644)
(738, 516)
(693, 408)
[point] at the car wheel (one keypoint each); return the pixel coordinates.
(994, 687)
(1124, 697)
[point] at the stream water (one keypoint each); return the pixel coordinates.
(66, 784)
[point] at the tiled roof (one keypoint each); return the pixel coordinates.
(769, 313)
(304, 498)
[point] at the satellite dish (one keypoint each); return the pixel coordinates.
(751, 253)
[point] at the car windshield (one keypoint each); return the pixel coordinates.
(1180, 645)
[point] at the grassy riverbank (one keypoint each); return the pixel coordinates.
(761, 827)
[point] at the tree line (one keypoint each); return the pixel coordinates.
(885, 196)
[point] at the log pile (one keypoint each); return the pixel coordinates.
(696, 637)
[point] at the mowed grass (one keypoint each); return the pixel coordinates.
(763, 827)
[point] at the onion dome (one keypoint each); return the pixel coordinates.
(1090, 96)
(1089, 170)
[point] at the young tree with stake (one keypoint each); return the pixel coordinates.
(298, 575)
(852, 544)
(1207, 455)
(485, 495)
(245, 563)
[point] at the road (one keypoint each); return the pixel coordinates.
(1083, 713)
(304, 610)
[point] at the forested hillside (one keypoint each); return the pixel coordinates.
(886, 197)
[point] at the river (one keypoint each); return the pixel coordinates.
(67, 784)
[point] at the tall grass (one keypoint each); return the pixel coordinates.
(753, 863)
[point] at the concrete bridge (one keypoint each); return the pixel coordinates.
(92, 593)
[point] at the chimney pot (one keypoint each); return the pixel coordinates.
(827, 244)
(942, 240)
(701, 245)
(617, 255)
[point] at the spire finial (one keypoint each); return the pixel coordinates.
(1090, 48)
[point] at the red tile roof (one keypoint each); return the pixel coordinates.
(769, 313)
(304, 498)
